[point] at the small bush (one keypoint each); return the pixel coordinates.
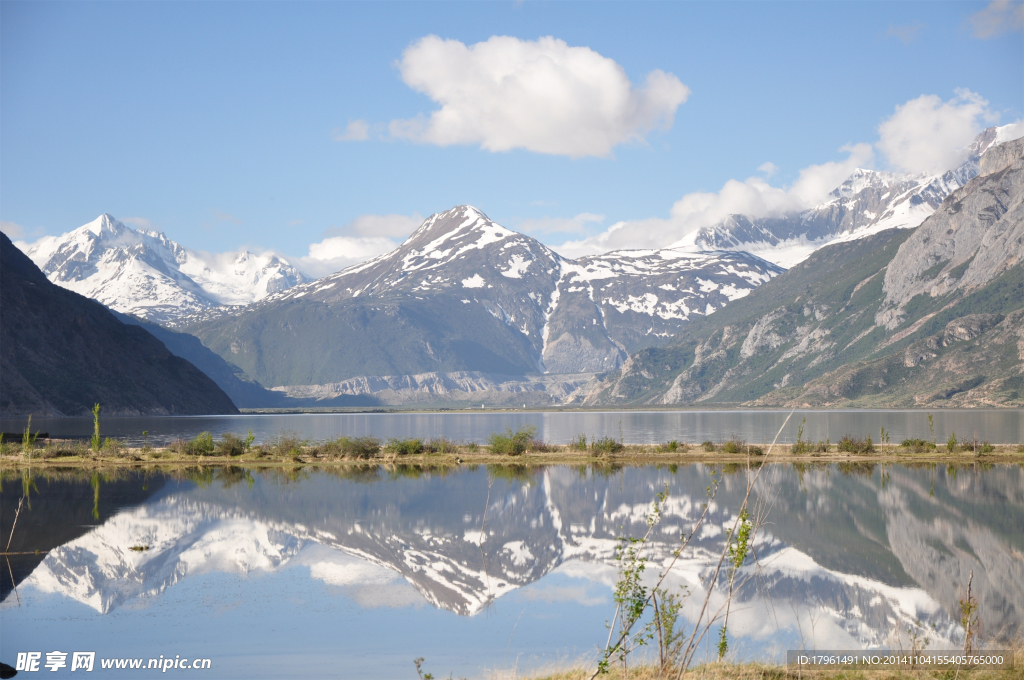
(605, 445)
(349, 447)
(673, 446)
(202, 445)
(539, 445)
(917, 445)
(441, 445)
(230, 445)
(734, 446)
(850, 444)
(512, 443)
(951, 442)
(112, 447)
(472, 447)
(404, 447)
(755, 451)
(579, 443)
(285, 445)
(708, 446)
(986, 447)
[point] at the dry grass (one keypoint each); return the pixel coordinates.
(761, 671)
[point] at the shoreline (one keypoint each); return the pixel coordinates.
(52, 456)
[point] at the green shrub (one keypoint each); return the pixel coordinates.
(404, 447)
(579, 443)
(917, 445)
(285, 445)
(202, 445)
(986, 447)
(112, 447)
(800, 446)
(230, 445)
(734, 446)
(850, 444)
(441, 445)
(605, 445)
(472, 447)
(755, 451)
(512, 443)
(951, 442)
(673, 446)
(708, 446)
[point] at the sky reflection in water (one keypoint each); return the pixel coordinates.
(363, 574)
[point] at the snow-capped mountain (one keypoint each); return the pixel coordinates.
(142, 272)
(466, 294)
(868, 202)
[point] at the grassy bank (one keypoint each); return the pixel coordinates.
(519, 448)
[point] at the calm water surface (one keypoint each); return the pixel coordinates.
(355, 573)
(1003, 426)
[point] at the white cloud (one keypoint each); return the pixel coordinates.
(768, 168)
(929, 135)
(355, 131)
(754, 197)
(14, 231)
(542, 95)
(365, 237)
(999, 17)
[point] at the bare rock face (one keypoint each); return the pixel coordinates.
(975, 235)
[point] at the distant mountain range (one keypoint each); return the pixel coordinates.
(926, 317)
(466, 294)
(143, 273)
(867, 203)
(468, 311)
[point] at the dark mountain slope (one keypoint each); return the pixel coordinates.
(243, 392)
(60, 353)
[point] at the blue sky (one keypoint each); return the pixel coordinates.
(279, 125)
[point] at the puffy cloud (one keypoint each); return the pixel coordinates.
(929, 135)
(14, 231)
(999, 17)
(754, 197)
(355, 131)
(542, 95)
(365, 237)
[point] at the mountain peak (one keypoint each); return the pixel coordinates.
(105, 222)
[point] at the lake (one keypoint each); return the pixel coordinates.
(999, 426)
(359, 571)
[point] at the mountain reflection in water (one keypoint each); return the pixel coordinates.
(851, 555)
